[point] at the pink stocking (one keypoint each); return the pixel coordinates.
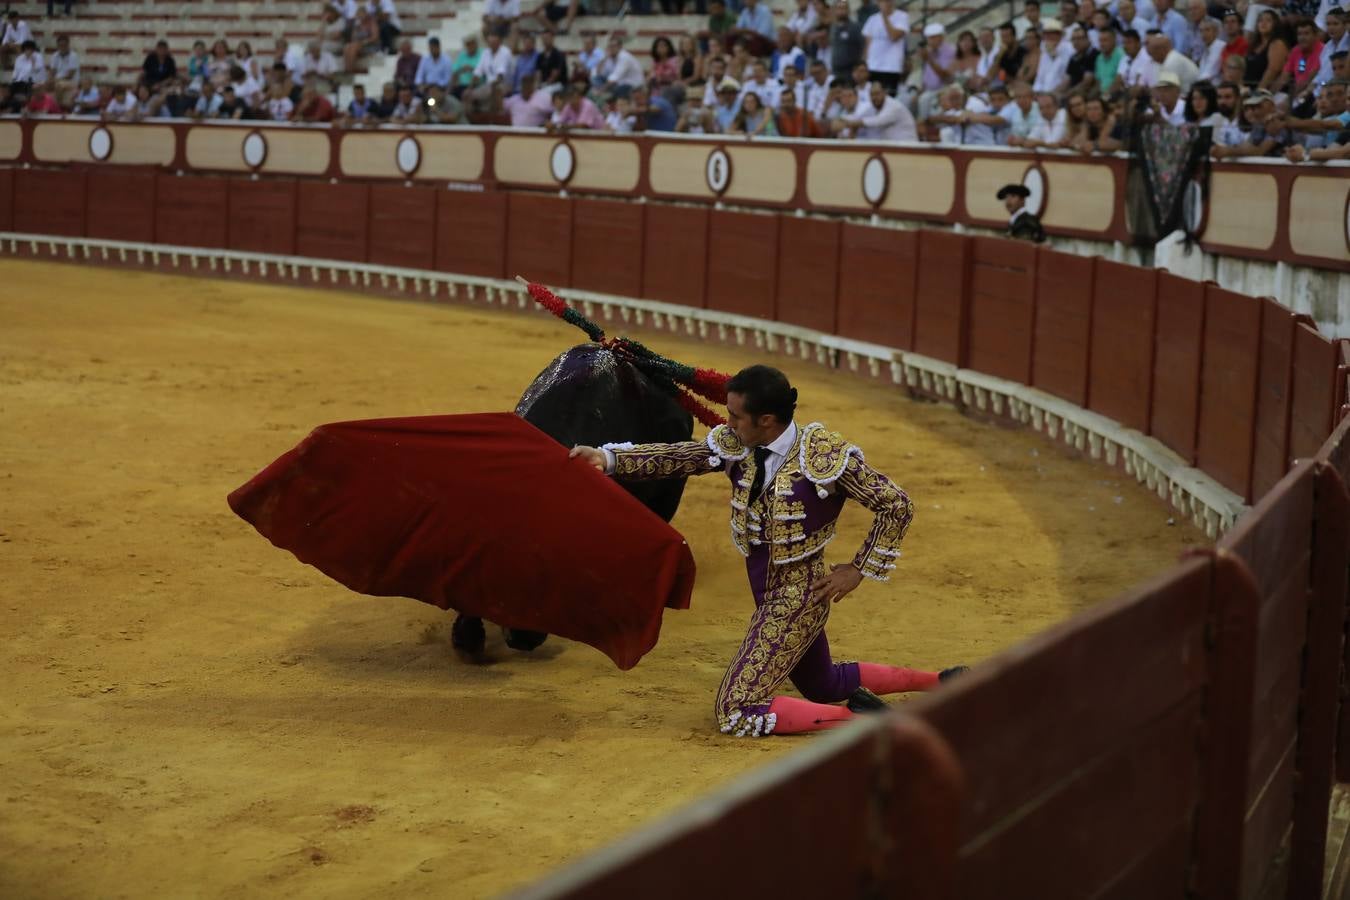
(881, 679)
(799, 716)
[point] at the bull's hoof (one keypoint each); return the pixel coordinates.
(467, 634)
(519, 639)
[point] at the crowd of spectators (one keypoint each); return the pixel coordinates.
(1267, 81)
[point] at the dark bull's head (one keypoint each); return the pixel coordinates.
(588, 395)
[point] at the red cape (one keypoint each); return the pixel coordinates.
(480, 513)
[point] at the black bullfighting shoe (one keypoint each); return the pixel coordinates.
(955, 671)
(864, 701)
(467, 634)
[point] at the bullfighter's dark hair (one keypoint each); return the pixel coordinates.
(766, 391)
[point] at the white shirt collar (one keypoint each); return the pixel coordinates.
(1017, 215)
(782, 444)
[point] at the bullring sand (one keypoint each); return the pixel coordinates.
(188, 711)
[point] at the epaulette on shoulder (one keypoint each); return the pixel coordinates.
(824, 455)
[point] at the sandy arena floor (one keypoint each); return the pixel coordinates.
(187, 711)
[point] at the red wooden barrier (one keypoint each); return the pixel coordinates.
(7, 199)
(607, 247)
(743, 263)
(1314, 391)
(121, 205)
(808, 272)
(1002, 308)
(675, 255)
(539, 239)
(1335, 453)
(1124, 305)
(262, 216)
(878, 269)
(192, 211)
(1227, 423)
(403, 226)
(1064, 289)
(1270, 453)
(471, 233)
(1105, 788)
(50, 201)
(890, 786)
(332, 220)
(1180, 334)
(1275, 542)
(942, 296)
(1318, 697)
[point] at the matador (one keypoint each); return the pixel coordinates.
(788, 486)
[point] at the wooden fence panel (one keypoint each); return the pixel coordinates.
(1228, 388)
(743, 263)
(471, 233)
(332, 220)
(403, 226)
(539, 239)
(892, 789)
(1064, 288)
(1275, 542)
(675, 255)
(121, 205)
(1097, 780)
(607, 247)
(808, 272)
(1124, 305)
(1002, 308)
(942, 296)
(1270, 453)
(192, 211)
(1313, 398)
(1177, 364)
(878, 270)
(6, 199)
(262, 216)
(50, 201)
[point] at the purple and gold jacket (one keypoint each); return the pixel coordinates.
(795, 516)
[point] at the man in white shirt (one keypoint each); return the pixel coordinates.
(1211, 51)
(881, 118)
(793, 84)
(884, 44)
(1130, 19)
(620, 70)
(1052, 72)
(64, 70)
(316, 61)
(491, 76)
(986, 70)
(1165, 59)
(1167, 102)
(1029, 19)
(12, 38)
(787, 55)
(122, 106)
(817, 89)
(1338, 40)
(963, 120)
(803, 19)
(761, 86)
(1021, 114)
(28, 66)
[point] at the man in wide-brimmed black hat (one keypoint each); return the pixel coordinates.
(1022, 225)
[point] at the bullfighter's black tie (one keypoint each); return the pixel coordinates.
(757, 486)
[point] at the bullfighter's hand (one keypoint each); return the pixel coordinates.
(841, 580)
(591, 455)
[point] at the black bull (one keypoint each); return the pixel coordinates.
(590, 396)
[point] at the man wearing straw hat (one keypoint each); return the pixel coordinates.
(788, 485)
